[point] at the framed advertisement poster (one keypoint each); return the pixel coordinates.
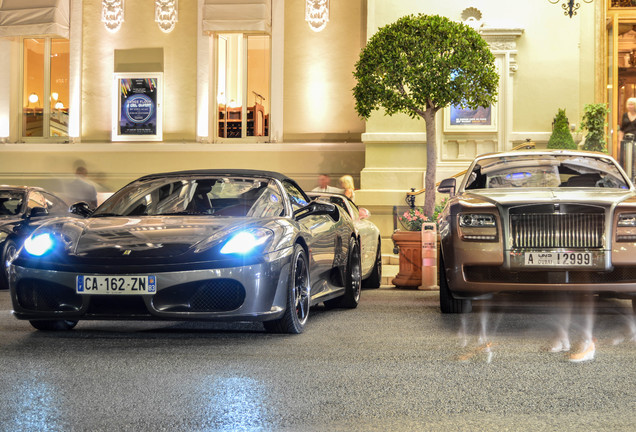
(137, 102)
(482, 119)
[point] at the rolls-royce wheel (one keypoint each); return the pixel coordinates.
(448, 303)
(375, 278)
(353, 280)
(297, 309)
(53, 325)
(8, 253)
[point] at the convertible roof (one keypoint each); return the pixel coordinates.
(218, 172)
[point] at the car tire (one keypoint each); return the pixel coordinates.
(353, 280)
(297, 308)
(448, 303)
(8, 252)
(375, 278)
(53, 325)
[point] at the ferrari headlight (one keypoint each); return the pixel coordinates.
(474, 220)
(627, 220)
(39, 244)
(246, 241)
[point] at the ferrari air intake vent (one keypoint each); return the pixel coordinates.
(557, 230)
(213, 295)
(47, 296)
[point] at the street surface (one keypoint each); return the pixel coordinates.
(393, 364)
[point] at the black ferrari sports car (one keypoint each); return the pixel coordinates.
(22, 209)
(237, 245)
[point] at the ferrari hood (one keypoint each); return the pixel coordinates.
(146, 236)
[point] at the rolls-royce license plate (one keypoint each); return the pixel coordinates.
(558, 259)
(119, 284)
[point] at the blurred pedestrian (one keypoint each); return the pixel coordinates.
(82, 189)
(346, 183)
(324, 186)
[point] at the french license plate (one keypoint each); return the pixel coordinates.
(558, 259)
(98, 284)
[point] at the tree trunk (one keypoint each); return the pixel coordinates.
(431, 162)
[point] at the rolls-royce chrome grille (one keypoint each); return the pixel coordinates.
(556, 230)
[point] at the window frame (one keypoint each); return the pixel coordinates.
(244, 97)
(46, 108)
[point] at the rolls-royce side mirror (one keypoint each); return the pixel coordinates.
(447, 186)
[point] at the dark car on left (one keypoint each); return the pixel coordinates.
(22, 210)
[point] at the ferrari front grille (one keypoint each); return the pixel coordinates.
(213, 295)
(557, 230)
(44, 296)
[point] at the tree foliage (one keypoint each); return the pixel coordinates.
(420, 64)
(594, 122)
(561, 137)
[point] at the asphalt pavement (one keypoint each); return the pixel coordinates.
(394, 363)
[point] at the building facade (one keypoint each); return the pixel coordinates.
(128, 87)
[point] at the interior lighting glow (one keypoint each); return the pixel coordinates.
(33, 98)
(39, 244)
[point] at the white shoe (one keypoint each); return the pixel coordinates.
(586, 354)
(560, 345)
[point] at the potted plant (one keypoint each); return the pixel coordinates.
(561, 137)
(409, 242)
(594, 123)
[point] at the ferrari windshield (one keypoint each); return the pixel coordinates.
(545, 171)
(10, 202)
(220, 196)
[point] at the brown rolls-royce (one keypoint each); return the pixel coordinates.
(537, 221)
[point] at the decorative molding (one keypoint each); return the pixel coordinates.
(472, 17)
(396, 137)
(317, 14)
(166, 14)
(112, 14)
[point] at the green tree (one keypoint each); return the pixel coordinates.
(594, 122)
(561, 137)
(418, 65)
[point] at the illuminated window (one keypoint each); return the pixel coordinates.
(243, 81)
(45, 88)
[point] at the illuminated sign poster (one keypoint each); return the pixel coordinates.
(137, 108)
(466, 119)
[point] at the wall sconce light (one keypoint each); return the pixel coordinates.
(54, 96)
(570, 6)
(59, 105)
(317, 14)
(166, 14)
(33, 98)
(112, 14)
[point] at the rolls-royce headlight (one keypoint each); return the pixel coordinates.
(473, 220)
(627, 220)
(626, 227)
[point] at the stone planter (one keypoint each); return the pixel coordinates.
(410, 272)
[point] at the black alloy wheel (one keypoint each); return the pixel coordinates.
(9, 251)
(375, 278)
(297, 309)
